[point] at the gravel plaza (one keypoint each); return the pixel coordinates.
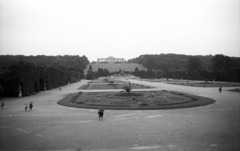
(49, 126)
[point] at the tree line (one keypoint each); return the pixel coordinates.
(218, 67)
(66, 62)
(31, 74)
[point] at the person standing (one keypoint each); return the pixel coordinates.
(2, 104)
(30, 105)
(220, 89)
(100, 114)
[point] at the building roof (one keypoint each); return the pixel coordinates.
(111, 57)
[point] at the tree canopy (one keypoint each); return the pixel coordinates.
(67, 62)
(218, 67)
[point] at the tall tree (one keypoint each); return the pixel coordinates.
(220, 66)
(159, 73)
(194, 64)
(150, 64)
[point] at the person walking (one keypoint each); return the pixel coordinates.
(30, 105)
(2, 104)
(220, 89)
(26, 106)
(100, 114)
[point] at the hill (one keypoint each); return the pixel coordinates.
(177, 66)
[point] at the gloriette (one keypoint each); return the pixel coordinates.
(110, 59)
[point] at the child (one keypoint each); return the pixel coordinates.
(26, 106)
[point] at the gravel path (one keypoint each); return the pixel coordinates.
(49, 126)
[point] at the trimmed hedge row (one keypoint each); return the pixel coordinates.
(25, 79)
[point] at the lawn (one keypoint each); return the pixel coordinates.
(148, 100)
(137, 100)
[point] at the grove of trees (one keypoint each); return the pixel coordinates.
(218, 67)
(66, 62)
(30, 74)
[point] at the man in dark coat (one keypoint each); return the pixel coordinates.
(100, 113)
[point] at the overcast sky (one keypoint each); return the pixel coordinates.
(120, 28)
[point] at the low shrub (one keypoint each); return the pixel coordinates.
(129, 94)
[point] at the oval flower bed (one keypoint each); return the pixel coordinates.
(134, 101)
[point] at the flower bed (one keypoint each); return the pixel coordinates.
(134, 101)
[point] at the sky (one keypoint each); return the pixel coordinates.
(119, 28)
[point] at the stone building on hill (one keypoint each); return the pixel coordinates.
(110, 59)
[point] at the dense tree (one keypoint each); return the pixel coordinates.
(194, 64)
(159, 73)
(90, 74)
(194, 67)
(67, 62)
(150, 63)
(209, 67)
(102, 72)
(220, 66)
(25, 78)
(36, 72)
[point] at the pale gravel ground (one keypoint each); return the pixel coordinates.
(49, 126)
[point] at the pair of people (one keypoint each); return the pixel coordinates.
(100, 114)
(30, 106)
